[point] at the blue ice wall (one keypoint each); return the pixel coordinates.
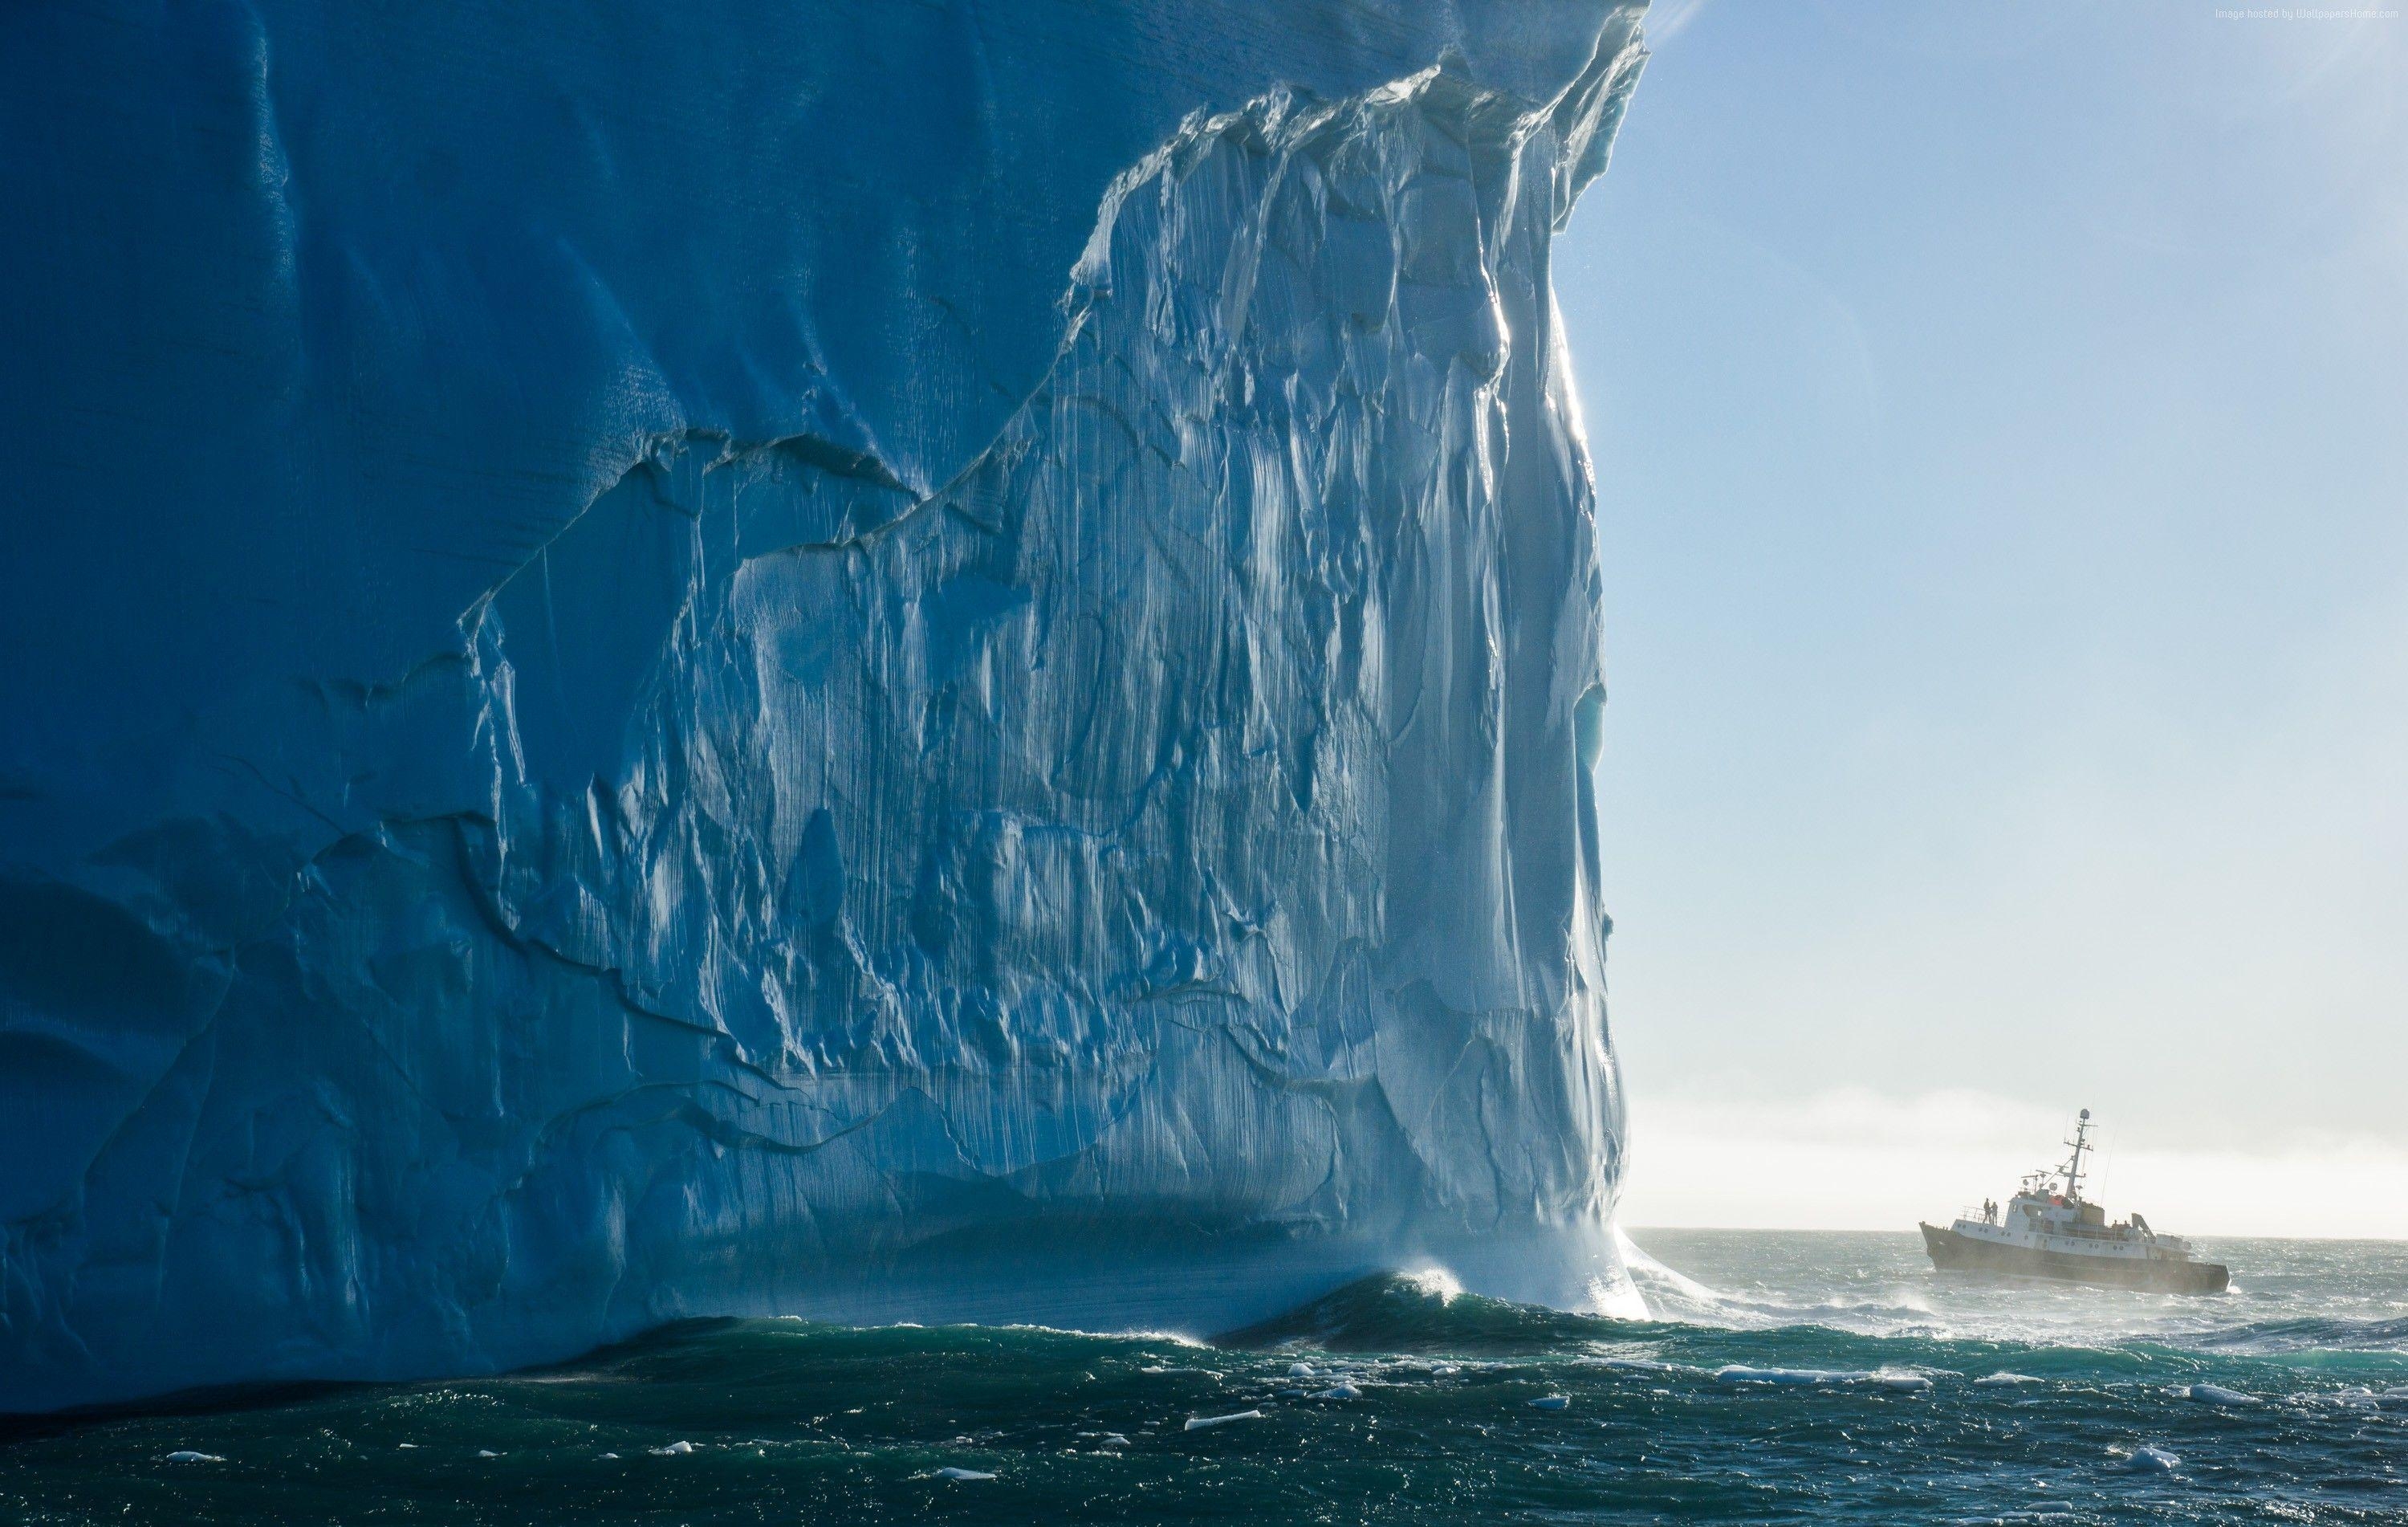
(859, 659)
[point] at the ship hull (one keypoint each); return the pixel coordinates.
(1955, 1253)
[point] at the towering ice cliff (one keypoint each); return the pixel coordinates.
(864, 659)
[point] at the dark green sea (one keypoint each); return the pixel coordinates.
(1783, 1378)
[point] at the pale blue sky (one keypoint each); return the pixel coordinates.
(2000, 416)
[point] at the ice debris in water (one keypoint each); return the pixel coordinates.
(1339, 1391)
(675, 1450)
(950, 1472)
(1299, 1369)
(1997, 1380)
(1551, 1401)
(1736, 1374)
(2153, 1460)
(487, 1453)
(2217, 1394)
(1197, 1423)
(185, 1455)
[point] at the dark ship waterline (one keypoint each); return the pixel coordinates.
(2049, 1230)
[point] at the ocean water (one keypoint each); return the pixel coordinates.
(1781, 1378)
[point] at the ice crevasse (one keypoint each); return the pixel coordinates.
(860, 660)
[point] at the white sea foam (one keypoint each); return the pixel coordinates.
(1665, 1294)
(1437, 1282)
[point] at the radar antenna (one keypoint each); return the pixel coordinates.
(2079, 1143)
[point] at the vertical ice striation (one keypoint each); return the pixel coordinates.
(895, 661)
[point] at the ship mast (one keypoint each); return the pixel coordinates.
(2074, 1169)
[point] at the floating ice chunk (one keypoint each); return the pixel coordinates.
(2217, 1394)
(2151, 1460)
(487, 1453)
(1551, 1401)
(1113, 1439)
(675, 1450)
(185, 1455)
(1995, 1380)
(405, 1447)
(1197, 1423)
(1339, 1391)
(1299, 1369)
(949, 1472)
(1736, 1374)
(610, 1455)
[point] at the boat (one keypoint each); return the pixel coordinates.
(2049, 1230)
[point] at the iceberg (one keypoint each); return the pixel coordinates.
(864, 661)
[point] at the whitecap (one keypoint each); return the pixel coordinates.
(1633, 1365)
(1435, 1282)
